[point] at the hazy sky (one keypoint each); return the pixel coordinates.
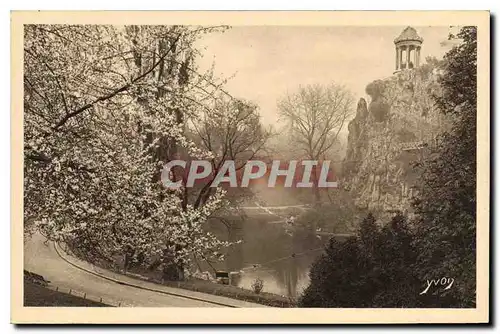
(268, 61)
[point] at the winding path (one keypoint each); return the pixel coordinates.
(65, 273)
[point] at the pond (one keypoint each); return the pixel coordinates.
(279, 254)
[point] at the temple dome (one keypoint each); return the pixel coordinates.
(409, 34)
(408, 45)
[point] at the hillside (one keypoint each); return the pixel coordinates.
(387, 136)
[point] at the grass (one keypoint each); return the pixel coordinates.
(199, 285)
(230, 291)
(209, 287)
(234, 292)
(37, 295)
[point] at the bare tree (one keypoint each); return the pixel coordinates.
(315, 115)
(231, 131)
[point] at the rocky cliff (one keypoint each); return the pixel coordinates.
(396, 129)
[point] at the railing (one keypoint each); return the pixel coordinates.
(41, 281)
(86, 296)
(410, 146)
(418, 145)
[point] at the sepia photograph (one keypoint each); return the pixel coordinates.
(205, 163)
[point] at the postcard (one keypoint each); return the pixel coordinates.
(257, 167)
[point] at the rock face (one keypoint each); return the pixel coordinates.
(398, 128)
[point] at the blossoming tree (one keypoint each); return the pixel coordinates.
(104, 108)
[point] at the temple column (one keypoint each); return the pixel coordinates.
(418, 56)
(397, 58)
(408, 57)
(400, 57)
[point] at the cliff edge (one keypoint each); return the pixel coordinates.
(388, 136)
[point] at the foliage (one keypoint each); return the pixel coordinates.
(376, 166)
(388, 266)
(234, 292)
(372, 269)
(446, 207)
(336, 216)
(105, 108)
(378, 108)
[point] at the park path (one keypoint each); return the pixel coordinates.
(66, 272)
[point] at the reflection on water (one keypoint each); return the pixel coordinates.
(292, 286)
(280, 257)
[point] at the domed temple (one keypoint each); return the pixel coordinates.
(408, 46)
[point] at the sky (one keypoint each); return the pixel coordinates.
(269, 61)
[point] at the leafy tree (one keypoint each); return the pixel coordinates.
(388, 267)
(373, 269)
(105, 108)
(394, 267)
(337, 216)
(368, 232)
(331, 274)
(446, 207)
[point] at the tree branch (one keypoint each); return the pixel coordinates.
(115, 92)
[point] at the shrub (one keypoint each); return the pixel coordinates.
(372, 269)
(257, 285)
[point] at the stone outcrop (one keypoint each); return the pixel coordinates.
(397, 129)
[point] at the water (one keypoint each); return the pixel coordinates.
(279, 255)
